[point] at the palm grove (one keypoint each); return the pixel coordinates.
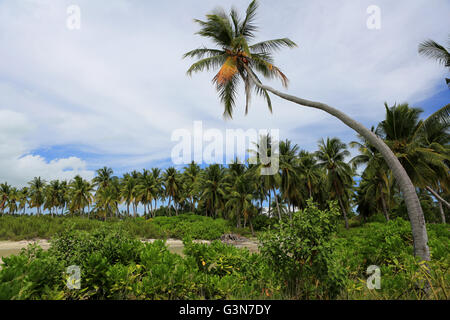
(239, 193)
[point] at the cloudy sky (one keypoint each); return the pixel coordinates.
(112, 92)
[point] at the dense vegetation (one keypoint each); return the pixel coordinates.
(177, 227)
(309, 256)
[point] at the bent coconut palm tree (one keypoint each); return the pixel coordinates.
(237, 59)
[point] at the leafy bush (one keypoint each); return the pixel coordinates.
(115, 265)
(390, 247)
(301, 252)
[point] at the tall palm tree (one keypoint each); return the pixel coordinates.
(147, 191)
(376, 177)
(105, 201)
(213, 183)
(433, 134)
(127, 191)
(237, 58)
(159, 190)
(240, 198)
(52, 196)
(271, 182)
(103, 178)
(191, 176)
(23, 199)
(63, 195)
(12, 200)
(37, 196)
(291, 186)
(331, 156)
(172, 185)
(309, 171)
(409, 138)
(80, 194)
(434, 50)
(421, 145)
(5, 190)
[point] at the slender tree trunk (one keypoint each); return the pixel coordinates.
(440, 199)
(383, 204)
(170, 200)
(276, 201)
(441, 210)
(343, 211)
(251, 227)
(412, 202)
(238, 218)
(262, 205)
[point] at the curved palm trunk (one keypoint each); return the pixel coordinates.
(412, 202)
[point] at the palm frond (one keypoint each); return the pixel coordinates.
(201, 52)
(236, 21)
(273, 45)
(207, 64)
(268, 69)
(217, 27)
(439, 118)
(434, 50)
(227, 95)
(248, 28)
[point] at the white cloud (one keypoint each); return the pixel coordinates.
(118, 87)
(18, 166)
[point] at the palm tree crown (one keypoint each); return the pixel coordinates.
(235, 55)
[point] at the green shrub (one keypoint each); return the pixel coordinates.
(301, 252)
(390, 247)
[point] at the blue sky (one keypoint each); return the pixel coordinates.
(112, 92)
